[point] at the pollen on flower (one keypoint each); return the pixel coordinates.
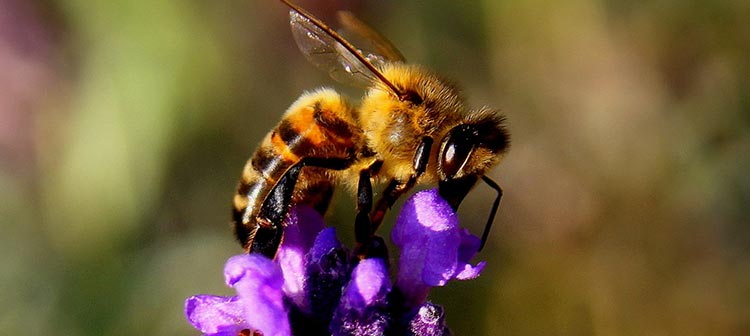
(248, 332)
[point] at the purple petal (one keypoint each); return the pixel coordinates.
(302, 226)
(258, 282)
(369, 283)
(363, 309)
(327, 272)
(434, 249)
(469, 245)
(467, 250)
(215, 314)
(325, 242)
(250, 266)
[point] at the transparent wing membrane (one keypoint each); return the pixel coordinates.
(329, 55)
(367, 39)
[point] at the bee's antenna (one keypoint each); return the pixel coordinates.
(348, 46)
(493, 212)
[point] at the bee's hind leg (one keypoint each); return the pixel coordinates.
(273, 211)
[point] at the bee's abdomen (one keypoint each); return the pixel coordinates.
(258, 178)
(317, 125)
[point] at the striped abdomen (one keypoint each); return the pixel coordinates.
(318, 124)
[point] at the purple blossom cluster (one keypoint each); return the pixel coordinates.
(315, 286)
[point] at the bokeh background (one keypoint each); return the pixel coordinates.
(124, 126)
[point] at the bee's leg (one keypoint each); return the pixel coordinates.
(273, 211)
(455, 190)
(396, 188)
(368, 245)
(266, 239)
(391, 193)
(270, 229)
(493, 212)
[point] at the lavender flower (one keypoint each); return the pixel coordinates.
(363, 309)
(318, 287)
(434, 249)
(259, 304)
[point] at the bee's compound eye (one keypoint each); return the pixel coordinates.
(456, 150)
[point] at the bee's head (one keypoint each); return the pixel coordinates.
(473, 147)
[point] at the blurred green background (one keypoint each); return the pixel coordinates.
(124, 126)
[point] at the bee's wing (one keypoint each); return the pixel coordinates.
(367, 38)
(323, 47)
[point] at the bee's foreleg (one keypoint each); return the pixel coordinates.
(455, 190)
(493, 212)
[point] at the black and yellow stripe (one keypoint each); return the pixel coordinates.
(318, 125)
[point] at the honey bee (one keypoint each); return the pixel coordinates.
(412, 126)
